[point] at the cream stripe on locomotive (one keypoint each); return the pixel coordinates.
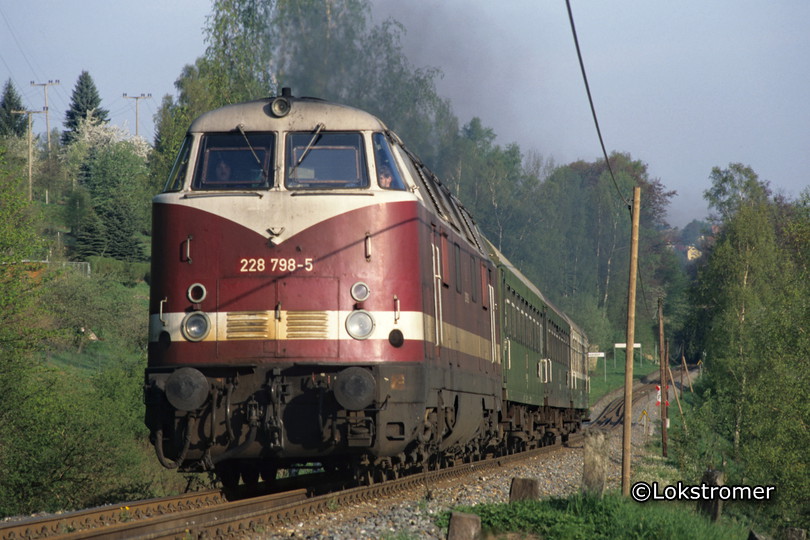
(312, 325)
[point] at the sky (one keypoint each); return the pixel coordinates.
(682, 86)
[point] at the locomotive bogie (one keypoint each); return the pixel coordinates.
(286, 413)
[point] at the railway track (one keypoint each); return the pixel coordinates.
(209, 515)
(107, 516)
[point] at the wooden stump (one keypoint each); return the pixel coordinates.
(464, 527)
(712, 508)
(524, 489)
(595, 463)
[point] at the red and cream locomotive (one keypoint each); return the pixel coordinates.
(318, 296)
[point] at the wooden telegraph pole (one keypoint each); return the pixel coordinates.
(30, 152)
(662, 356)
(631, 339)
(47, 117)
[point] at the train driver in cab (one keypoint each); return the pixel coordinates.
(388, 180)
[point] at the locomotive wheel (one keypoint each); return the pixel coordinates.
(364, 476)
(268, 472)
(250, 475)
(228, 474)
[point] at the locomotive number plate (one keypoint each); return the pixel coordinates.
(275, 265)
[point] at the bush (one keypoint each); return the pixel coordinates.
(69, 445)
(587, 517)
(128, 272)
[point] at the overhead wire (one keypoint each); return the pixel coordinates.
(599, 132)
(590, 100)
(17, 41)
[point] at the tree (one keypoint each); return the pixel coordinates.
(12, 124)
(349, 60)
(254, 47)
(84, 101)
(734, 187)
(237, 61)
(751, 313)
(112, 202)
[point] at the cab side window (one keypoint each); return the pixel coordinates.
(388, 176)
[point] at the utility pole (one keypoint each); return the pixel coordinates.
(664, 364)
(627, 434)
(137, 101)
(47, 117)
(30, 152)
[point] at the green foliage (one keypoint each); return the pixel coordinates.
(587, 517)
(733, 188)
(80, 306)
(18, 244)
(750, 318)
(12, 124)
(70, 446)
(125, 272)
(112, 204)
(73, 434)
(239, 53)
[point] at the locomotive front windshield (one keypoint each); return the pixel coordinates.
(317, 160)
(235, 161)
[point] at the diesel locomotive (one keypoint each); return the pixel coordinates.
(318, 296)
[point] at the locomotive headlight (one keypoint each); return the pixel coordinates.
(360, 292)
(360, 324)
(196, 326)
(280, 107)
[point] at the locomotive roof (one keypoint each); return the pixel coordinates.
(304, 114)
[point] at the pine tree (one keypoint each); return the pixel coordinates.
(91, 238)
(84, 99)
(11, 124)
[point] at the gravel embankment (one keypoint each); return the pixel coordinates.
(413, 514)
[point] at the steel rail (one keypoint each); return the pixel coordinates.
(104, 516)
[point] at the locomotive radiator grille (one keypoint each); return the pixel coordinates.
(263, 325)
(307, 325)
(249, 325)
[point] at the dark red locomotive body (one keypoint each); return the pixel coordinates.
(324, 299)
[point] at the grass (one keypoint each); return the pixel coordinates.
(603, 382)
(586, 517)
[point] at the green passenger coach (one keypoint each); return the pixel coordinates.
(544, 354)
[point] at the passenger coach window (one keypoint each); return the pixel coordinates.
(317, 160)
(232, 161)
